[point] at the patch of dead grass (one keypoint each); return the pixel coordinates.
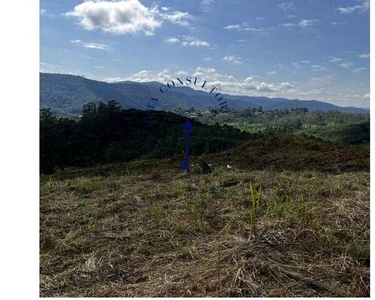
(189, 235)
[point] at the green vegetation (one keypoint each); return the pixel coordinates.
(255, 197)
(106, 133)
(328, 126)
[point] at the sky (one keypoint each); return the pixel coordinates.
(308, 50)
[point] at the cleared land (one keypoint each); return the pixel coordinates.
(147, 229)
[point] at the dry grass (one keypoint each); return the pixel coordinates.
(168, 234)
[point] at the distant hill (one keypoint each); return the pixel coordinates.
(68, 93)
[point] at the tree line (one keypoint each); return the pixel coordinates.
(105, 132)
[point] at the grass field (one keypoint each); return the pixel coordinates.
(148, 229)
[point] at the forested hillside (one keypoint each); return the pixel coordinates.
(68, 93)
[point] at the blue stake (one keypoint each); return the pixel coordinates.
(187, 129)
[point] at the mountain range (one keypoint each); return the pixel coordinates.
(67, 94)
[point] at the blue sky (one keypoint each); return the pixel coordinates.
(311, 49)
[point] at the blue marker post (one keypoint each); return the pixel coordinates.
(187, 129)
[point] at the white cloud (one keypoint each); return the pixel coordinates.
(114, 79)
(306, 23)
(223, 82)
(143, 73)
(49, 66)
(286, 6)
(362, 7)
(204, 71)
(318, 68)
(187, 41)
(196, 43)
(235, 60)
(245, 27)
(346, 65)
(334, 59)
(45, 13)
(296, 65)
(367, 96)
(96, 46)
(207, 4)
(302, 24)
(144, 76)
(266, 87)
(272, 72)
(172, 40)
(358, 70)
(124, 17)
(365, 55)
(233, 27)
(337, 23)
(177, 17)
(91, 45)
(259, 30)
(288, 25)
(286, 85)
(182, 73)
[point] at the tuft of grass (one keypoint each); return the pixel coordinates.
(185, 252)
(204, 226)
(84, 186)
(255, 197)
(157, 213)
(145, 248)
(359, 252)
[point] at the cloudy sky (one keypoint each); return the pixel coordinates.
(311, 49)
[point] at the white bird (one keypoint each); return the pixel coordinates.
(229, 167)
